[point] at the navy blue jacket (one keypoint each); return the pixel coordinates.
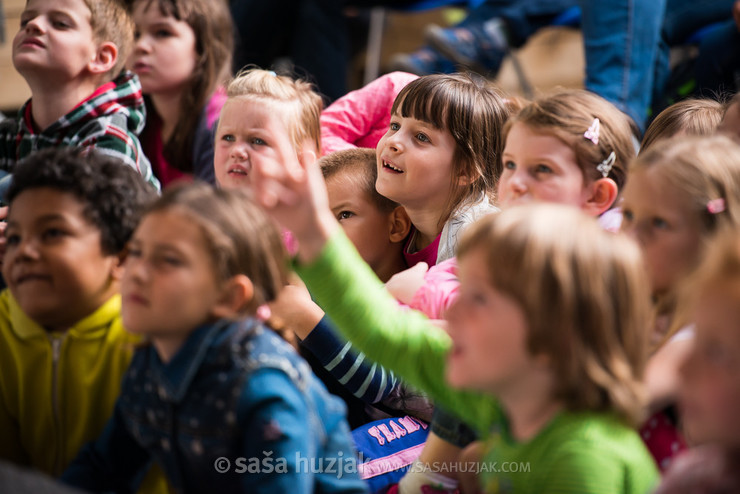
(235, 410)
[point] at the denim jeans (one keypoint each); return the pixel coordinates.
(627, 44)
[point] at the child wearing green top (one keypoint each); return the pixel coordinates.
(545, 347)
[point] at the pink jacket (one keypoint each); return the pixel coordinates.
(441, 284)
(440, 289)
(361, 117)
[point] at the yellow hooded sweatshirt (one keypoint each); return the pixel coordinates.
(57, 390)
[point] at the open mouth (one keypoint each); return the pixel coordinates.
(388, 166)
(238, 171)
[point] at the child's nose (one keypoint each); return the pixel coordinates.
(27, 249)
(518, 183)
(35, 25)
(239, 151)
(394, 142)
(141, 44)
(136, 269)
(636, 232)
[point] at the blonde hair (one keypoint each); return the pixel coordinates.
(568, 114)
(240, 236)
(585, 297)
(474, 112)
(111, 21)
(696, 117)
(296, 96)
(700, 169)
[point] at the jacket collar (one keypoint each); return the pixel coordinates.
(176, 376)
(121, 95)
(93, 326)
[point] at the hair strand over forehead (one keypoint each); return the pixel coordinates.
(474, 113)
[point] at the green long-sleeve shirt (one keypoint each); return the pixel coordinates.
(581, 452)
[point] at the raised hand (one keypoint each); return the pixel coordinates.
(290, 187)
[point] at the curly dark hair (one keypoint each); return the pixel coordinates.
(112, 193)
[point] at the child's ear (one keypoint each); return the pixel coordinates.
(601, 195)
(236, 293)
(400, 225)
(105, 58)
(465, 180)
(117, 269)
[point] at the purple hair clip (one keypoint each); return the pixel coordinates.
(592, 133)
(716, 206)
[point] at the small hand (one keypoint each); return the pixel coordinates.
(295, 309)
(292, 190)
(404, 284)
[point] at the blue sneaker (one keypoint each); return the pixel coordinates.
(479, 47)
(424, 61)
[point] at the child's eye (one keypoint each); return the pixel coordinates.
(137, 35)
(133, 252)
(394, 126)
(12, 238)
(258, 142)
(61, 23)
(510, 165)
(228, 138)
(422, 137)
(542, 169)
(344, 215)
(172, 261)
(162, 33)
(627, 215)
(52, 234)
(659, 223)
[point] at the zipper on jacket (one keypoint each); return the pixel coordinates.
(56, 347)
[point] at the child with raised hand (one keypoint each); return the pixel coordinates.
(709, 391)
(214, 382)
(71, 53)
(568, 147)
(64, 349)
(182, 55)
(562, 358)
(681, 193)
